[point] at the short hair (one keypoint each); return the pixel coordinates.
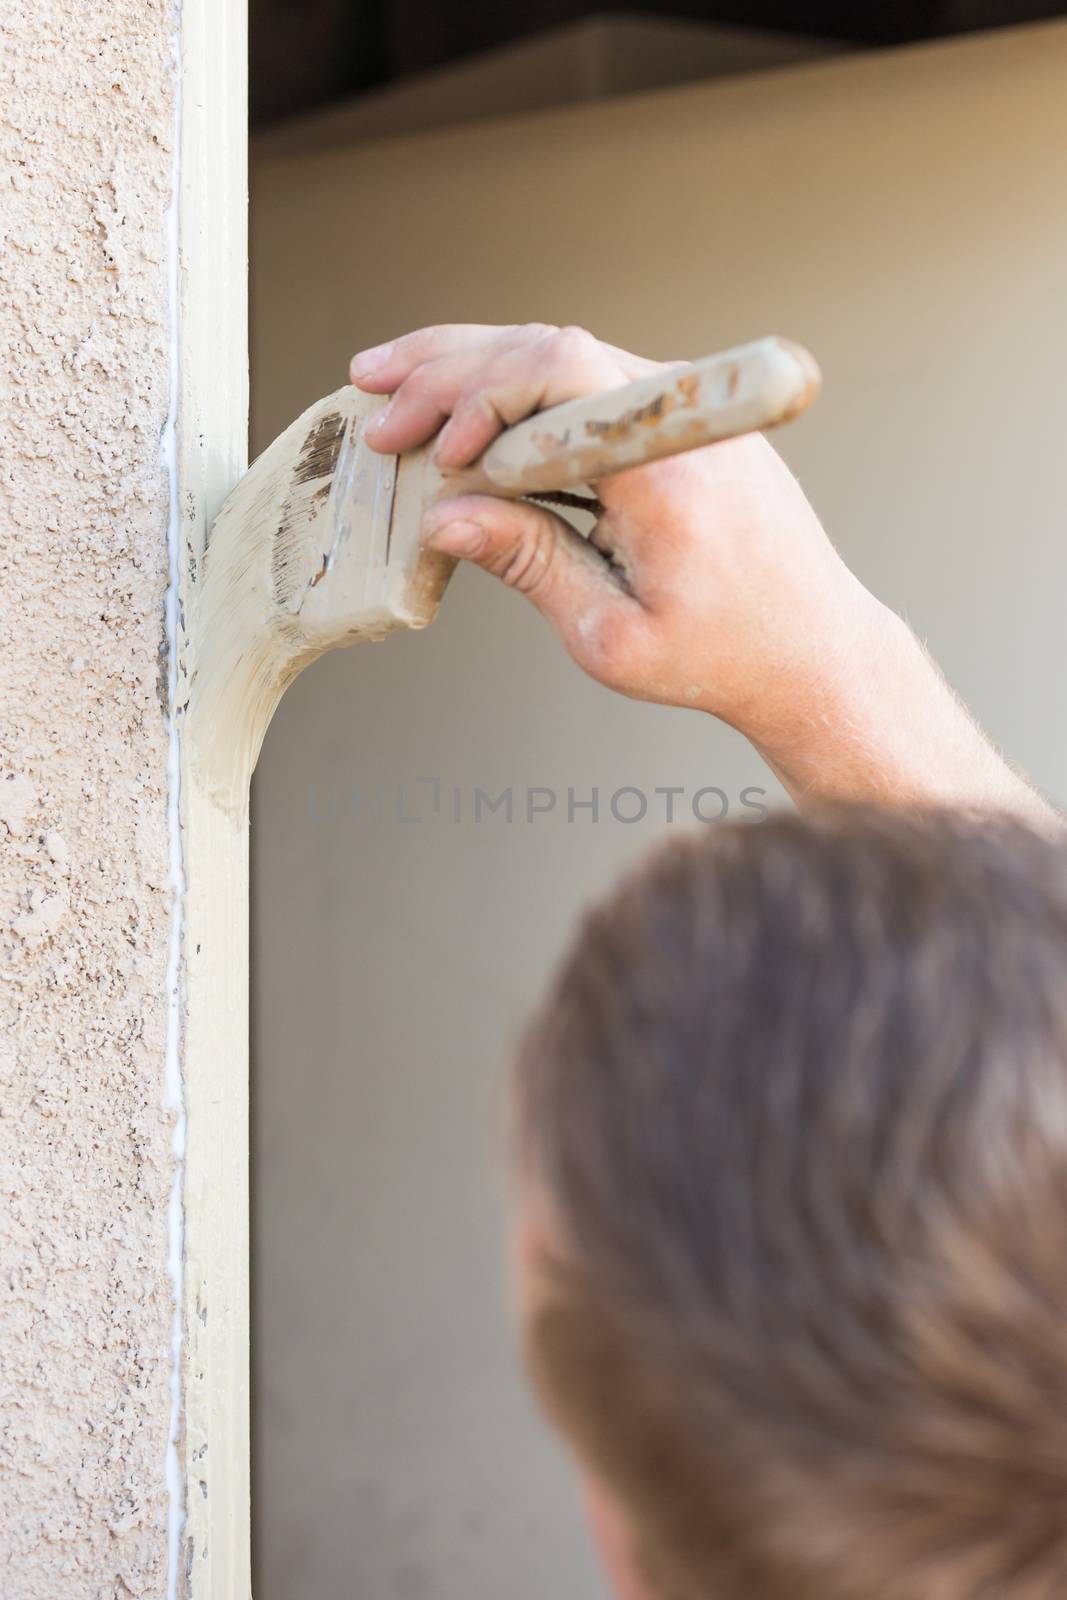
(798, 1099)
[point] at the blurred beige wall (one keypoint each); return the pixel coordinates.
(903, 215)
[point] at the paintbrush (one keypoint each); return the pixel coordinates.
(318, 545)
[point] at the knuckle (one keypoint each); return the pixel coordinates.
(433, 342)
(417, 344)
(438, 334)
(494, 399)
(527, 563)
(476, 400)
(473, 393)
(574, 342)
(417, 381)
(505, 334)
(536, 331)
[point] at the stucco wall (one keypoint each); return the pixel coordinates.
(902, 213)
(85, 1170)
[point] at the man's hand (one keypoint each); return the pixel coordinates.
(708, 582)
(711, 576)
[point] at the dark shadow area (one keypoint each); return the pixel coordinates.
(307, 53)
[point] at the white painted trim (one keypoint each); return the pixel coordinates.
(173, 1083)
(212, 443)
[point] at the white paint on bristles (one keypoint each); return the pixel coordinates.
(291, 572)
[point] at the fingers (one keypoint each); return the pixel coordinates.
(560, 365)
(383, 368)
(426, 397)
(532, 550)
(483, 384)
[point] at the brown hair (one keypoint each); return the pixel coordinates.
(799, 1099)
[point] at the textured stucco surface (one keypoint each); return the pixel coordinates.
(85, 159)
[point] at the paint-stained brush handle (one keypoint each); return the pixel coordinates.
(745, 390)
(319, 543)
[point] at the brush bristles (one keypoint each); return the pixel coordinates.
(289, 574)
(298, 562)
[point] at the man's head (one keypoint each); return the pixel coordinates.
(793, 1144)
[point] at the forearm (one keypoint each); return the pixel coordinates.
(734, 601)
(880, 723)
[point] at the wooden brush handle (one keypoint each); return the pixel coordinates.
(756, 386)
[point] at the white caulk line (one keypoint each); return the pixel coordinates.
(173, 1087)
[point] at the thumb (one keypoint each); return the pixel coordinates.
(533, 550)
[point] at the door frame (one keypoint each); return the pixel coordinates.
(214, 1556)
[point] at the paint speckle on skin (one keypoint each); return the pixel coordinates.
(85, 1308)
